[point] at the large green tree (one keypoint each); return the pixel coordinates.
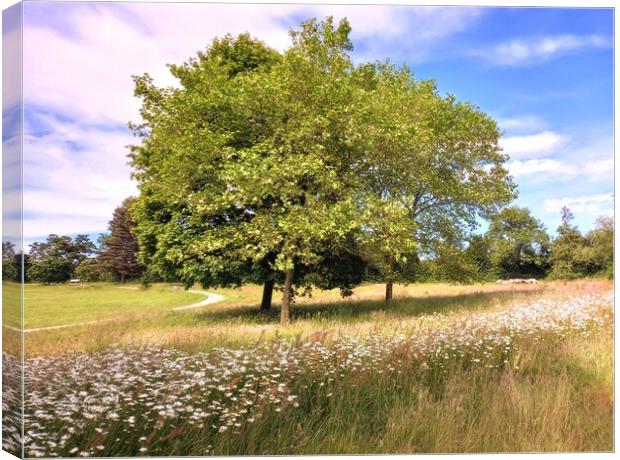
(236, 171)
(268, 170)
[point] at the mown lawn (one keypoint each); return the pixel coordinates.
(65, 304)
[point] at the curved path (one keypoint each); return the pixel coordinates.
(211, 299)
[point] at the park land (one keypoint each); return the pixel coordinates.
(443, 368)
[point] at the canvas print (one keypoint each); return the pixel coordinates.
(294, 229)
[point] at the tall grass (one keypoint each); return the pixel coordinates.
(534, 376)
(544, 405)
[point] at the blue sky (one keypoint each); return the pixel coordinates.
(545, 74)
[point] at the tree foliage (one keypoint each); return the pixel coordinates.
(10, 260)
(436, 160)
(567, 251)
(601, 246)
(519, 244)
(119, 248)
(264, 165)
(55, 260)
(92, 270)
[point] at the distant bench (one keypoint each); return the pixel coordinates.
(75, 281)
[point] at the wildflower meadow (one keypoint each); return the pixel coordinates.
(291, 395)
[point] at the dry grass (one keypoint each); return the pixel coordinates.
(238, 322)
(559, 399)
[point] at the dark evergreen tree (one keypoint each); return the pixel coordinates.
(120, 247)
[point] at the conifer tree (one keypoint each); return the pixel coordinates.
(120, 248)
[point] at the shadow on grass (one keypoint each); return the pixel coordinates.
(360, 310)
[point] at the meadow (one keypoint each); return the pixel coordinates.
(482, 368)
(237, 321)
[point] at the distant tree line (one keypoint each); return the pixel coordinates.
(61, 258)
(516, 245)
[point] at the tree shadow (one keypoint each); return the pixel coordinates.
(349, 310)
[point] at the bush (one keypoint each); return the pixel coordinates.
(92, 270)
(9, 270)
(53, 270)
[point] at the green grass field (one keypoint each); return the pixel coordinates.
(65, 304)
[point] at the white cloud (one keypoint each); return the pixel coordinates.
(526, 123)
(73, 177)
(11, 186)
(11, 58)
(552, 170)
(528, 51)
(596, 204)
(599, 168)
(555, 169)
(382, 28)
(533, 145)
(85, 73)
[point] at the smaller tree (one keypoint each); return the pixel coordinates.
(55, 260)
(478, 253)
(568, 259)
(519, 243)
(387, 239)
(119, 247)
(92, 270)
(600, 242)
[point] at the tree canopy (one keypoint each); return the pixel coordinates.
(264, 163)
(119, 248)
(519, 244)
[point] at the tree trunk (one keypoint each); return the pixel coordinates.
(123, 279)
(285, 317)
(267, 295)
(389, 285)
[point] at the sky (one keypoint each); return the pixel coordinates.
(544, 74)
